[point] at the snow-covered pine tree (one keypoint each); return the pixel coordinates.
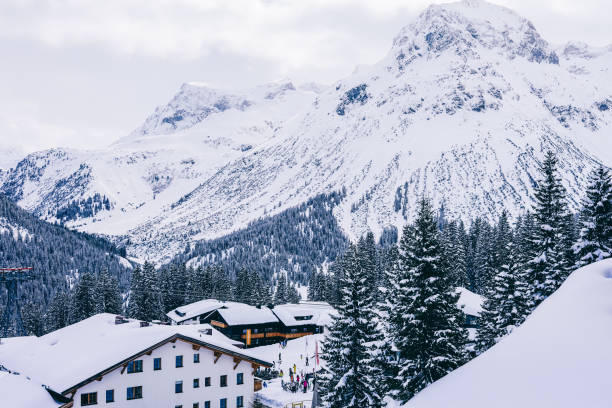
(58, 313)
(280, 292)
(384, 310)
(84, 298)
(173, 283)
(196, 285)
(426, 321)
(222, 288)
(507, 303)
(546, 270)
(483, 258)
(353, 375)
(33, 319)
(108, 298)
(453, 253)
(145, 302)
(367, 253)
(595, 241)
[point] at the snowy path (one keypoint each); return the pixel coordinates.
(295, 353)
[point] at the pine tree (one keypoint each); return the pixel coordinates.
(507, 304)
(222, 284)
(280, 293)
(107, 296)
(33, 319)
(367, 253)
(353, 375)
(173, 284)
(145, 302)
(547, 270)
(595, 241)
(426, 320)
(58, 313)
(84, 299)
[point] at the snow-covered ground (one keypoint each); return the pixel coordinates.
(295, 353)
(560, 357)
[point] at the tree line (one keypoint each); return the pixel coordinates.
(398, 328)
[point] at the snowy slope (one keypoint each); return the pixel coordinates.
(142, 174)
(461, 108)
(560, 357)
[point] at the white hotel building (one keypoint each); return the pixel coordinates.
(103, 362)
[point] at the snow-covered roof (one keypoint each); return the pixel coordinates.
(239, 313)
(65, 357)
(560, 357)
(470, 302)
(19, 391)
(292, 314)
(194, 309)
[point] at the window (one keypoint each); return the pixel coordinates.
(196, 383)
(196, 405)
(196, 358)
(240, 378)
(224, 381)
(206, 404)
(223, 403)
(110, 396)
(179, 361)
(178, 406)
(91, 398)
(157, 364)
(134, 367)
(134, 392)
(240, 402)
(207, 382)
(178, 387)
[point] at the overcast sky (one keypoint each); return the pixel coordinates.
(84, 73)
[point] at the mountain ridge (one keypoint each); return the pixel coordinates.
(461, 108)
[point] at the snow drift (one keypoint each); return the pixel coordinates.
(560, 357)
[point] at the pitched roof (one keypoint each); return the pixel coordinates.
(19, 391)
(291, 314)
(180, 314)
(105, 345)
(469, 302)
(236, 314)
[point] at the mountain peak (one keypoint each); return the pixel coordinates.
(468, 26)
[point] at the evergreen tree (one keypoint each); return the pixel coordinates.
(507, 305)
(173, 284)
(367, 257)
(426, 321)
(547, 270)
(33, 319)
(145, 295)
(84, 299)
(280, 293)
(107, 296)
(222, 284)
(58, 314)
(353, 374)
(595, 241)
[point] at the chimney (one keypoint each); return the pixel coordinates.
(120, 319)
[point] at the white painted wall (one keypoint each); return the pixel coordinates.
(158, 386)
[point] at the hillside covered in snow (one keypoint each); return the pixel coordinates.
(560, 357)
(461, 108)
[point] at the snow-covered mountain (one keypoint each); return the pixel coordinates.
(560, 356)
(461, 108)
(115, 189)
